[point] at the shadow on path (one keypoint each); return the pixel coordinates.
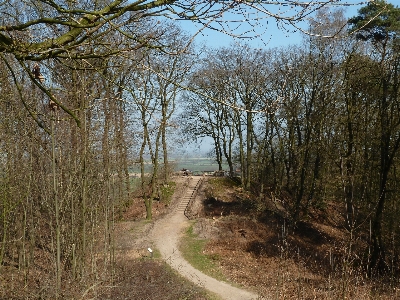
(166, 235)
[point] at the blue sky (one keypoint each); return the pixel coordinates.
(270, 33)
(272, 37)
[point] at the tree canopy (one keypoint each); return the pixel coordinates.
(67, 30)
(378, 20)
(305, 130)
(41, 29)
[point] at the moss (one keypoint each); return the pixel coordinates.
(192, 249)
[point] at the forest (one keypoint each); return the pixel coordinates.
(91, 89)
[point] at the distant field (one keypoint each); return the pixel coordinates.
(197, 164)
(193, 164)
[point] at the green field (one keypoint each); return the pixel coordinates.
(198, 164)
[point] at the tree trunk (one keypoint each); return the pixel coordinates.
(249, 148)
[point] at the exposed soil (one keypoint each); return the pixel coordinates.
(137, 274)
(250, 242)
(149, 279)
(167, 234)
(255, 247)
(134, 236)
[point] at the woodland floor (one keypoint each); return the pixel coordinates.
(250, 244)
(141, 276)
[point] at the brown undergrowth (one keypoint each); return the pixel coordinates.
(251, 242)
(131, 275)
(136, 274)
(255, 246)
(148, 279)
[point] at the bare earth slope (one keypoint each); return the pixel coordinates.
(166, 234)
(250, 243)
(134, 236)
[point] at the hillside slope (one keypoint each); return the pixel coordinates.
(254, 245)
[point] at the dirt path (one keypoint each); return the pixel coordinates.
(166, 234)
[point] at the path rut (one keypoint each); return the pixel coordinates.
(166, 234)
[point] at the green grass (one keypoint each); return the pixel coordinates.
(167, 191)
(208, 294)
(222, 183)
(193, 164)
(173, 273)
(192, 250)
(218, 186)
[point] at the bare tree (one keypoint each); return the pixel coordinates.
(383, 34)
(40, 30)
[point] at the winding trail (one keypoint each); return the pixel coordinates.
(166, 234)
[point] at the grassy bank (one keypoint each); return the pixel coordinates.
(192, 249)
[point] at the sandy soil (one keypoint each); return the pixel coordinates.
(252, 245)
(166, 234)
